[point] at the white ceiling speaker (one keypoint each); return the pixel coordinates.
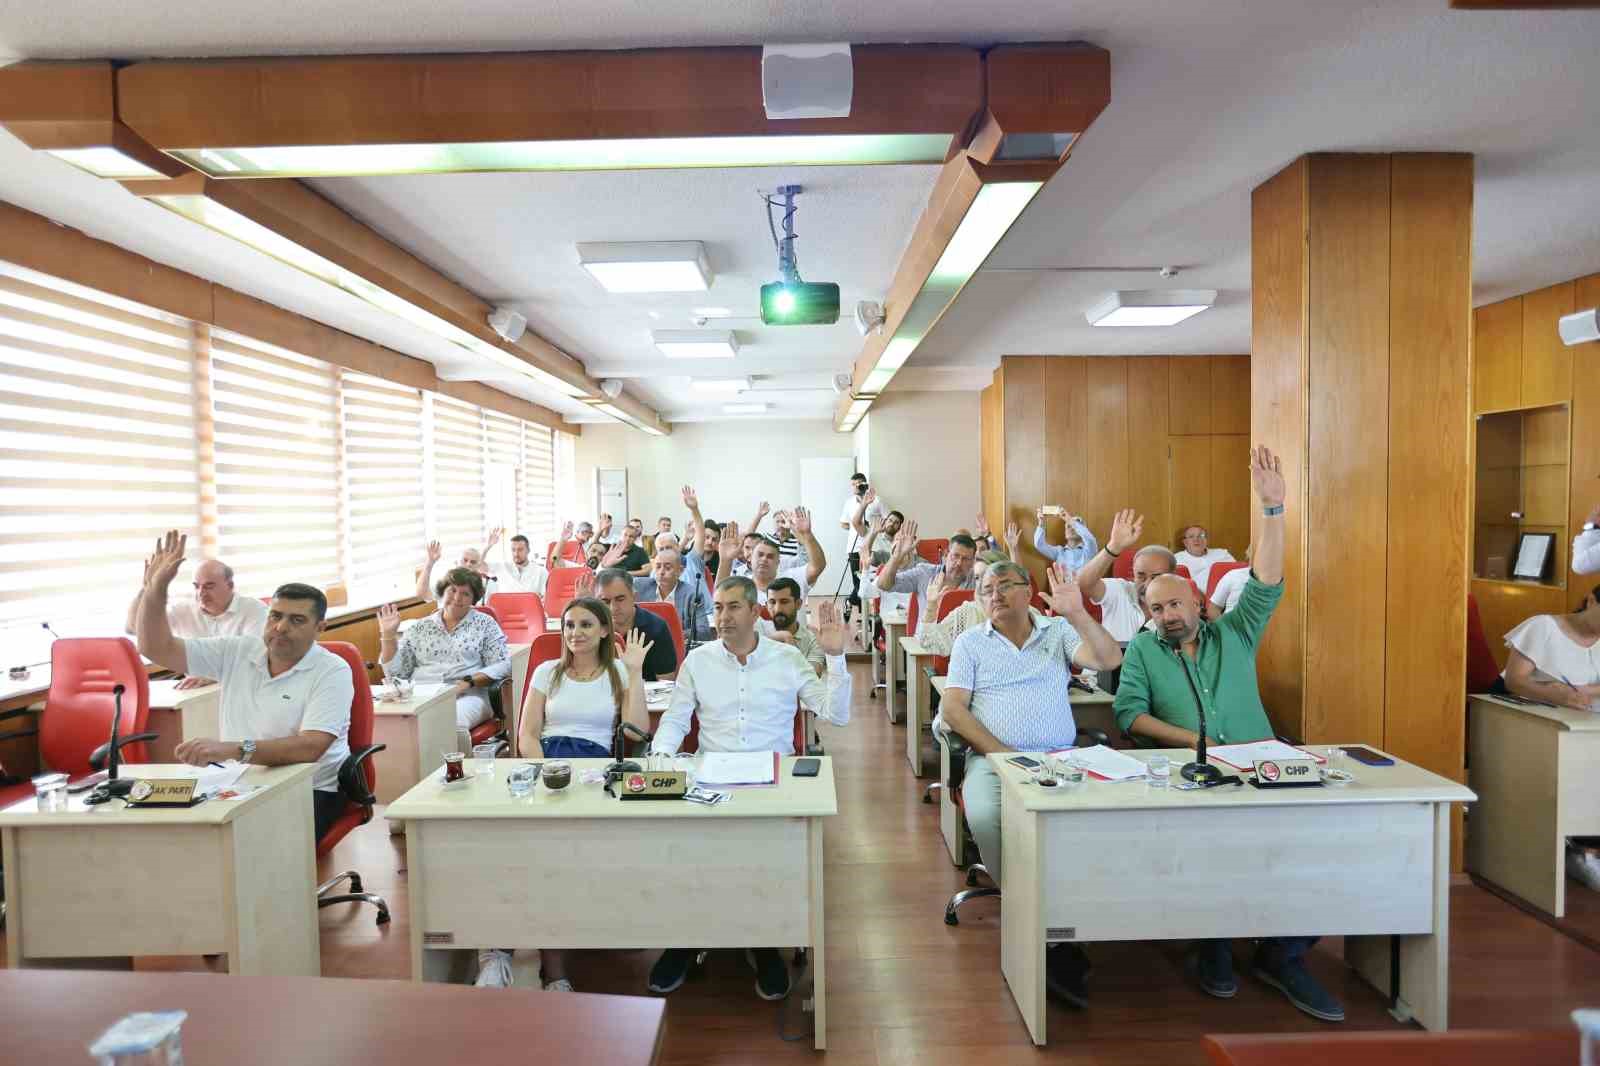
(841, 383)
(508, 323)
(611, 387)
(807, 80)
(869, 317)
(1580, 328)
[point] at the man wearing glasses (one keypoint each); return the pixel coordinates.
(1007, 691)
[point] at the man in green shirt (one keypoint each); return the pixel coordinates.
(1188, 662)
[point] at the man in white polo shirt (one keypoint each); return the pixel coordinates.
(518, 574)
(1121, 603)
(284, 699)
(215, 611)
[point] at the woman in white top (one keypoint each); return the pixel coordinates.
(1196, 553)
(455, 644)
(1556, 658)
(571, 711)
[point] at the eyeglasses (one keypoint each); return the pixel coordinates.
(1005, 589)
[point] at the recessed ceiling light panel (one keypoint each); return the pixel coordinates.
(744, 408)
(695, 343)
(648, 266)
(720, 384)
(1150, 307)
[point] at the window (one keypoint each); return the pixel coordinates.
(457, 476)
(536, 512)
(97, 455)
(385, 516)
(277, 465)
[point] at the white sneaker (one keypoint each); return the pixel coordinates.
(561, 985)
(494, 968)
(1583, 866)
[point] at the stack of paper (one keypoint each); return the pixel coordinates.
(1106, 764)
(658, 694)
(1245, 756)
(725, 769)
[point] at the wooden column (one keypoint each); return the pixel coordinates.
(1359, 377)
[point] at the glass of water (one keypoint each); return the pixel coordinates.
(1158, 771)
(519, 782)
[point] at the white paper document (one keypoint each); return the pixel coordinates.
(722, 768)
(209, 780)
(1105, 763)
(658, 694)
(1245, 756)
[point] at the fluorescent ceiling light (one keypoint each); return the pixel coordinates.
(720, 384)
(1150, 307)
(896, 352)
(877, 380)
(105, 162)
(353, 160)
(744, 408)
(714, 312)
(652, 430)
(695, 343)
(659, 266)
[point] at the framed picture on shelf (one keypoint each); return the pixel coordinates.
(1534, 556)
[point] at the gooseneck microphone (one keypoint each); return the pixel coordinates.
(620, 765)
(52, 632)
(1200, 771)
(114, 785)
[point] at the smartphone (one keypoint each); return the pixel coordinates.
(807, 767)
(1054, 509)
(1367, 756)
(1024, 762)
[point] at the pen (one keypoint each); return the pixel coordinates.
(218, 765)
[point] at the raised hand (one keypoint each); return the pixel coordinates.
(566, 530)
(388, 621)
(494, 538)
(162, 567)
(730, 542)
(1065, 598)
(829, 627)
(614, 556)
(434, 551)
(634, 650)
(1013, 535)
(1038, 516)
(871, 497)
(802, 521)
(1266, 474)
(936, 587)
(980, 527)
(1594, 516)
(1126, 529)
(584, 586)
(691, 499)
(605, 527)
(762, 510)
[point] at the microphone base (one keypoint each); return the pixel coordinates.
(1201, 773)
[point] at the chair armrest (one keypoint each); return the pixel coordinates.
(352, 781)
(499, 696)
(98, 757)
(959, 752)
(1088, 738)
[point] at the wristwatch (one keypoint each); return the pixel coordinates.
(1272, 511)
(247, 750)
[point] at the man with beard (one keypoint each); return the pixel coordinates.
(784, 601)
(1189, 661)
(1123, 608)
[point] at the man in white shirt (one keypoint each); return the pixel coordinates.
(1586, 545)
(1225, 597)
(861, 506)
(765, 559)
(1121, 603)
(284, 699)
(743, 689)
(215, 611)
(1198, 555)
(518, 574)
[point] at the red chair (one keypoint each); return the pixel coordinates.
(546, 646)
(932, 549)
(520, 614)
(358, 782)
(560, 588)
(491, 612)
(668, 613)
(75, 730)
(1483, 674)
(572, 553)
(948, 602)
(1217, 570)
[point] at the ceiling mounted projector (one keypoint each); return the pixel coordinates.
(508, 323)
(1580, 328)
(1150, 307)
(791, 301)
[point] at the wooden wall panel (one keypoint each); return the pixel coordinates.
(1023, 408)
(1188, 488)
(1546, 362)
(1279, 209)
(1190, 385)
(1230, 394)
(1232, 499)
(1105, 445)
(1347, 500)
(1429, 467)
(1504, 605)
(1065, 441)
(993, 449)
(1497, 356)
(1149, 403)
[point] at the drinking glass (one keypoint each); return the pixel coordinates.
(51, 791)
(1158, 771)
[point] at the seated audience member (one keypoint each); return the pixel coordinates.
(456, 643)
(517, 573)
(900, 574)
(764, 558)
(1225, 597)
(1196, 553)
(603, 533)
(614, 588)
(471, 559)
(627, 554)
(938, 636)
(571, 712)
(1586, 545)
(1080, 544)
(1556, 658)
(587, 544)
(668, 583)
(1007, 690)
(743, 690)
(791, 549)
(702, 551)
(1188, 659)
(1122, 606)
(215, 611)
(785, 602)
(284, 699)
(869, 536)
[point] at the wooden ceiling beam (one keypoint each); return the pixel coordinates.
(52, 106)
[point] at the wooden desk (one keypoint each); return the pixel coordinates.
(1473, 1047)
(1128, 862)
(918, 662)
(645, 874)
(51, 1017)
(1536, 771)
(15, 695)
(226, 876)
(181, 714)
(418, 731)
(894, 627)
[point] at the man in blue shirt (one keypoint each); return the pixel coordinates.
(1079, 548)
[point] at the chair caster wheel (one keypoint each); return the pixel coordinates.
(383, 917)
(972, 879)
(951, 919)
(927, 798)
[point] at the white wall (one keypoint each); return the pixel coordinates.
(923, 450)
(733, 466)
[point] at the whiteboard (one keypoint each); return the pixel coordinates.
(824, 483)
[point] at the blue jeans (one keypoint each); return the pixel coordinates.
(1279, 950)
(573, 748)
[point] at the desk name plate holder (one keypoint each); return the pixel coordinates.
(653, 785)
(1286, 773)
(153, 792)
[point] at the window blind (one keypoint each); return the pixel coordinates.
(277, 464)
(383, 477)
(97, 454)
(458, 474)
(536, 500)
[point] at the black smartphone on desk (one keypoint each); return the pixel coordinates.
(1367, 756)
(807, 767)
(1024, 762)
